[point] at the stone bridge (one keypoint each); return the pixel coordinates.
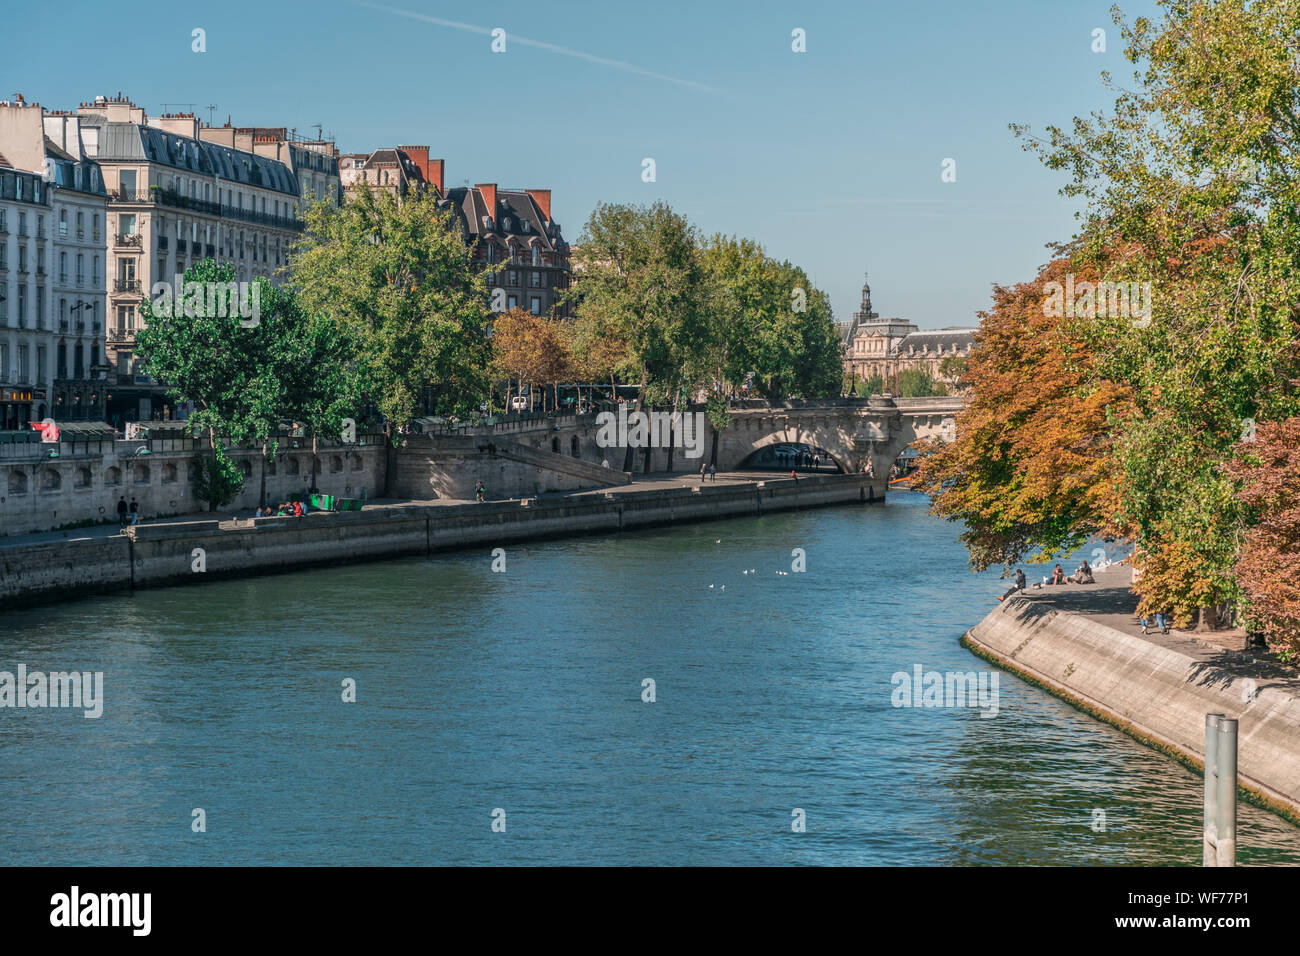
(529, 454)
(870, 432)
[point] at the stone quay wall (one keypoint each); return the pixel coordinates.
(83, 483)
(1155, 692)
(195, 551)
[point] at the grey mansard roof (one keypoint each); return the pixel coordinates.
(514, 205)
(130, 141)
(940, 340)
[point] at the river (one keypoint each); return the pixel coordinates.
(521, 691)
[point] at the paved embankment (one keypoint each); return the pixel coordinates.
(189, 551)
(1080, 643)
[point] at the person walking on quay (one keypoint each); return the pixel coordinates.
(135, 512)
(713, 472)
(1161, 621)
(478, 489)
(121, 512)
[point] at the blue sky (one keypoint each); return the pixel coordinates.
(830, 158)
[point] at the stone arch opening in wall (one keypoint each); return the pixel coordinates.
(555, 445)
(51, 480)
(270, 466)
(840, 457)
(290, 465)
(168, 474)
(336, 464)
(113, 477)
(357, 463)
(246, 467)
(82, 478)
(140, 475)
(191, 472)
(17, 482)
(574, 447)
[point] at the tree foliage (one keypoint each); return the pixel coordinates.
(1192, 189)
(397, 276)
(1031, 472)
(1268, 564)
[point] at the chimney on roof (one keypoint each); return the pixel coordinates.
(543, 199)
(489, 191)
(420, 156)
(436, 173)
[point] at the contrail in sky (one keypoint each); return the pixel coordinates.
(549, 47)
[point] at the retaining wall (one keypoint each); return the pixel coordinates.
(1157, 693)
(152, 555)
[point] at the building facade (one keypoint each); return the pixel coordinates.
(79, 270)
(884, 347)
(175, 199)
(26, 340)
(513, 227)
(314, 163)
(398, 170)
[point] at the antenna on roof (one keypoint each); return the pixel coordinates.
(211, 107)
(317, 128)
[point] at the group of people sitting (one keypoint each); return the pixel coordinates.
(1081, 576)
(289, 509)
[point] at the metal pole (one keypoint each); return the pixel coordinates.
(1210, 854)
(1226, 818)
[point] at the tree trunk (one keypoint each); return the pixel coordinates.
(629, 457)
(390, 460)
(315, 447)
(672, 433)
(212, 442)
(261, 495)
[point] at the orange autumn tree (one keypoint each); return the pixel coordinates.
(530, 348)
(1268, 564)
(1030, 472)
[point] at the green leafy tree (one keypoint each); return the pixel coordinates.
(397, 276)
(641, 280)
(202, 352)
(1192, 191)
(769, 319)
(919, 383)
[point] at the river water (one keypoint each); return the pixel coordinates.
(522, 691)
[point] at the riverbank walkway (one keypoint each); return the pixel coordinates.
(1111, 603)
(639, 483)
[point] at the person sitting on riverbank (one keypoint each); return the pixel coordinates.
(1058, 575)
(297, 509)
(1084, 574)
(1019, 585)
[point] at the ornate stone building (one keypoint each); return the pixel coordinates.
(884, 347)
(514, 226)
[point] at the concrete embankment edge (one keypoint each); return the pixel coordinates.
(168, 554)
(1153, 693)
